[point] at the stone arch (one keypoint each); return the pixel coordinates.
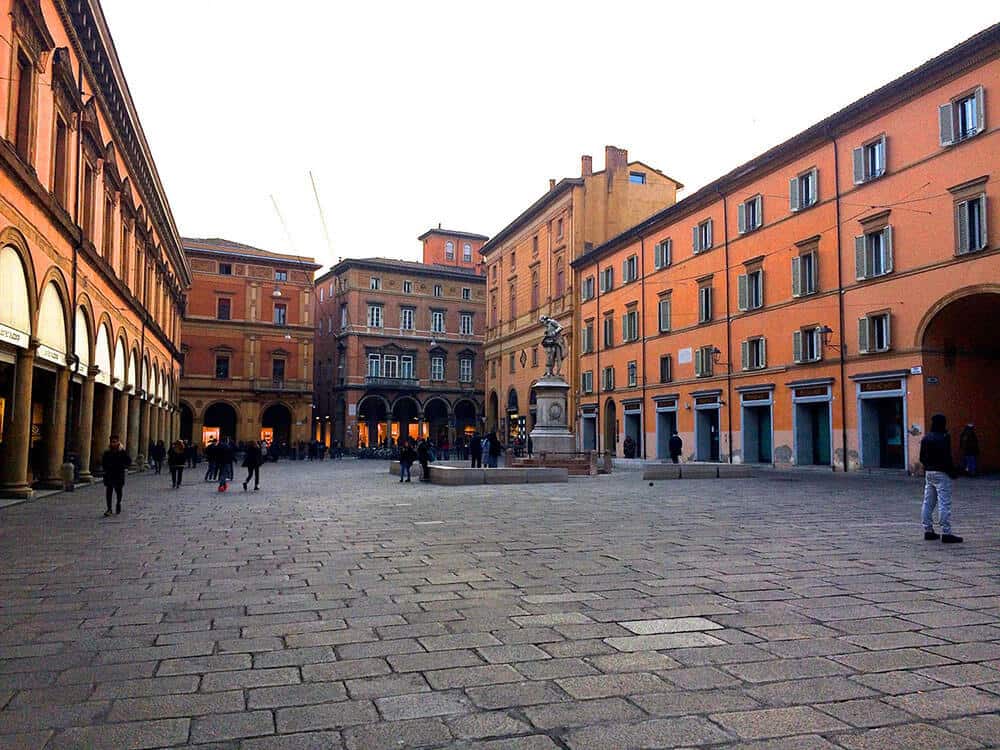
(437, 415)
(19, 302)
(466, 412)
(278, 417)
(610, 426)
(52, 322)
(84, 336)
(120, 361)
(132, 374)
(224, 415)
(492, 411)
(187, 421)
(942, 303)
(103, 356)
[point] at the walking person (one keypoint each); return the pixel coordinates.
(494, 450)
(424, 457)
(211, 452)
(935, 455)
(176, 458)
(676, 446)
(968, 444)
(158, 452)
(406, 458)
(115, 462)
(224, 457)
(476, 451)
(252, 459)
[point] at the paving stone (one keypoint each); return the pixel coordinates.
(559, 618)
(905, 737)
(777, 722)
(962, 674)
(887, 661)
(131, 735)
(941, 704)
(303, 741)
(203, 664)
(785, 669)
(247, 678)
(325, 716)
(344, 670)
(897, 683)
(293, 656)
(569, 649)
(581, 713)
(510, 654)
(809, 690)
(515, 694)
(689, 702)
(865, 712)
(486, 724)
(670, 625)
(378, 648)
(532, 742)
(436, 660)
(461, 677)
(985, 728)
(635, 661)
(28, 741)
(232, 726)
(60, 694)
(32, 718)
(662, 641)
(392, 735)
(296, 695)
(422, 705)
(656, 733)
(884, 641)
(699, 678)
(601, 686)
(392, 684)
(457, 640)
(166, 706)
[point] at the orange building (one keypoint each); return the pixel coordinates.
(528, 274)
(92, 274)
(816, 305)
(399, 345)
(247, 345)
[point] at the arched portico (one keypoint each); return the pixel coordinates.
(610, 427)
(373, 421)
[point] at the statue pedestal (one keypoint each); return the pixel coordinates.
(551, 431)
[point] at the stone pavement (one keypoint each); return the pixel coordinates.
(337, 609)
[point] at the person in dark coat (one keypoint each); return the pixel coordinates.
(495, 449)
(676, 446)
(406, 458)
(252, 459)
(424, 457)
(476, 451)
(935, 455)
(176, 458)
(115, 463)
(968, 444)
(157, 453)
(224, 456)
(211, 456)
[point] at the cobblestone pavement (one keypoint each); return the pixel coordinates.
(337, 609)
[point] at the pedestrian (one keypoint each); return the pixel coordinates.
(495, 449)
(224, 457)
(406, 458)
(676, 446)
(158, 452)
(935, 455)
(252, 460)
(968, 443)
(529, 446)
(115, 463)
(211, 455)
(476, 451)
(424, 457)
(189, 451)
(176, 458)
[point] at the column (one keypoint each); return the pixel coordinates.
(154, 422)
(141, 457)
(102, 423)
(132, 446)
(14, 450)
(87, 424)
(177, 424)
(119, 419)
(57, 442)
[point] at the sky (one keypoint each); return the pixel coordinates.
(410, 114)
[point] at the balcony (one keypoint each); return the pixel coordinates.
(280, 385)
(375, 381)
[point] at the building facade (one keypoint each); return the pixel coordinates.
(529, 275)
(816, 305)
(247, 345)
(399, 345)
(92, 274)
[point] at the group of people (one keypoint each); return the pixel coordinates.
(422, 452)
(221, 455)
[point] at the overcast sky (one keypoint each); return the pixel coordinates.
(413, 113)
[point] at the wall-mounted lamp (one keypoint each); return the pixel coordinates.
(825, 332)
(717, 355)
(276, 293)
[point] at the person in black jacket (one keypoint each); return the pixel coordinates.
(211, 456)
(406, 458)
(424, 457)
(676, 447)
(176, 458)
(252, 459)
(225, 454)
(115, 463)
(935, 455)
(476, 451)
(157, 453)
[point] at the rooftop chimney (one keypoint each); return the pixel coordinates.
(552, 184)
(615, 158)
(586, 165)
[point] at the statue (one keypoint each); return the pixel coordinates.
(554, 344)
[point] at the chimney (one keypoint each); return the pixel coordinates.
(615, 158)
(552, 184)
(586, 165)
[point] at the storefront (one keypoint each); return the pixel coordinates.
(812, 422)
(881, 420)
(666, 424)
(707, 409)
(757, 424)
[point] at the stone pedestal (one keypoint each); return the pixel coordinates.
(551, 431)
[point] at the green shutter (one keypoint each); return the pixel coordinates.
(796, 276)
(797, 346)
(887, 247)
(745, 354)
(859, 165)
(963, 227)
(741, 218)
(793, 193)
(742, 291)
(863, 335)
(946, 124)
(860, 258)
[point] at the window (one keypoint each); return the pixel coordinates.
(637, 178)
(803, 190)
(630, 269)
(873, 253)
(390, 366)
(494, 268)
(663, 314)
(704, 304)
(406, 366)
(449, 250)
(750, 290)
(374, 366)
(704, 361)
(609, 332)
(466, 292)
(22, 91)
(438, 291)
(437, 367)
(607, 279)
(493, 309)
(534, 246)
(61, 159)
(375, 283)
(281, 275)
(278, 370)
(374, 316)
(869, 161)
(223, 310)
(632, 369)
(587, 289)
(753, 353)
(343, 317)
(124, 257)
(89, 189)
(513, 259)
(321, 295)
(534, 356)
(804, 274)
(534, 289)
(407, 286)
(630, 325)
(662, 252)
(280, 314)
(513, 302)
(962, 118)
(465, 324)
(222, 367)
(702, 236)
(107, 235)
(750, 214)
(587, 337)
(406, 318)
(465, 370)
(874, 333)
(437, 321)
(467, 252)
(225, 269)
(807, 345)
(559, 228)
(512, 363)
(970, 223)
(608, 379)
(560, 279)
(666, 368)
(587, 381)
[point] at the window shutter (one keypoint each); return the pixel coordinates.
(793, 193)
(883, 147)
(980, 111)
(745, 354)
(741, 218)
(759, 213)
(962, 216)
(668, 252)
(814, 272)
(694, 239)
(859, 165)
(741, 291)
(814, 186)
(946, 124)
(760, 277)
(796, 276)
(887, 246)
(817, 337)
(797, 346)
(863, 335)
(763, 352)
(708, 303)
(665, 315)
(708, 241)
(699, 364)
(982, 221)
(888, 331)
(860, 258)
(624, 270)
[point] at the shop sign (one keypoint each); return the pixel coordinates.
(933, 380)
(707, 400)
(807, 392)
(14, 337)
(757, 396)
(52, 355)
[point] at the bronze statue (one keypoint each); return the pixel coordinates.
(554, 343)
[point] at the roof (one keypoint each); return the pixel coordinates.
(452, 233)
(397, 264)
(562, 186)
(867, 107)
(216, 245)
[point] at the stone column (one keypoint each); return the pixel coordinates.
(14, 450)
(132, 446)
(141, 457)
(102, 424)
(154, 422)
(57, 440)
(177, 425)
(87, 424)
(119, 419)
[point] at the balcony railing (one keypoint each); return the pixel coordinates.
(376, 381)
(281, 384)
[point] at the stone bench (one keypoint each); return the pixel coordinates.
(696, 471)
(463, 475)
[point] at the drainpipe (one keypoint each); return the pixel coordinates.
(642, 327)
(840, 306)
(599, 335)
(729, 328)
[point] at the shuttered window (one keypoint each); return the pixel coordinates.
(630, 325)
(874, 333)
(633, 376)
(704, 304)
(750, 214)
(702, 236)
(587, 381)
(663, 314)
(630, 269)
(608, 379)
(703, 361)
(962, 117)
(803, 190)
(666, 368)
(753, 353)
(607, 280)
(804, 274)
(970, 225)
(807, 345)
(870, 160)
(662, 252)
(750, 290)
(873, 254)
(609, 332)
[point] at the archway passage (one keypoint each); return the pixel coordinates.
(961, 371)
(187, 423)
(465, 418)
(436, 415)
(372, 422)
(610, 427)
(220, 423)
(492, 412)
(405, 420)
(276, 425)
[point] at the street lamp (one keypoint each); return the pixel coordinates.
(825, 332)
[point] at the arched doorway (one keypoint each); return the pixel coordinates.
(466, 422)
(16, 313)
(187, 422)
(373, 416)
(50, 391)
(276, 425)
(492, 412)
(436, 415)
(339, 424)
(961, 370)
(515, 420)
(610, 427)
(220, 423)
(405, 419)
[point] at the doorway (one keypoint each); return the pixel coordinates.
(666, 426)
(706, 428)
(589, 430)
(812, 434)
(610, 427)
(882, 438)
(633, 430)
(757, 434)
